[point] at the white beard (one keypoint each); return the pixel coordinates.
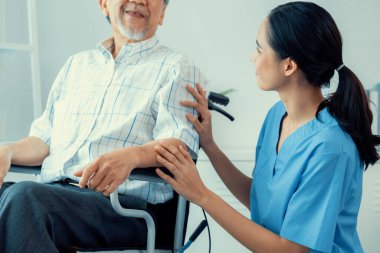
(130, 33)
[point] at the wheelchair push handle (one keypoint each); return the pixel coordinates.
(217, 98)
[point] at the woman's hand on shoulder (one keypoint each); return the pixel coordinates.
(203, 123)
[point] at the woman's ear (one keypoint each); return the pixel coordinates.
(290, 66)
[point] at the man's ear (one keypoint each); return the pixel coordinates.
(290, 66)
(162, 15)
(103, 7)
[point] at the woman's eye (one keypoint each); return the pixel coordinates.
(258, 50)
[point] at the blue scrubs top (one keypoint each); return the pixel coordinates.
(309, 192)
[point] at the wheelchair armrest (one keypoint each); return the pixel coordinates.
(148, 174)
(35, 170)
(141, 174)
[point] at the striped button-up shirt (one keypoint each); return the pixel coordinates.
(98, 104)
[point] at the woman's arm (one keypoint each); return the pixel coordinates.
(187, 182)
(238, 183)
(253, 236)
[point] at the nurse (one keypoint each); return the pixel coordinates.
(307, 182)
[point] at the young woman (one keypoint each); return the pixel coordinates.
(307, 181)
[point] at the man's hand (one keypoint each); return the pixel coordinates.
(107, 172)
(5, 162)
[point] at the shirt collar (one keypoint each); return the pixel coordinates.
(129, 51)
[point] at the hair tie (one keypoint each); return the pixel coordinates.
(340, 67)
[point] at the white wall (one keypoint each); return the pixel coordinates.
(16, 111)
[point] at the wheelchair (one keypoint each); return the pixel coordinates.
(180, 204)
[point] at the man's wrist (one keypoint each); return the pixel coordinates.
(133, 154)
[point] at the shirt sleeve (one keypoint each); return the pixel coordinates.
(42, 126)
(312, 213)
(171, 121)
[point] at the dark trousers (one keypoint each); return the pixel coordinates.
(59, 217)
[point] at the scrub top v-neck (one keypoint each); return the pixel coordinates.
(310, 191)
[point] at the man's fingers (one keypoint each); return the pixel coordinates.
(110, 189)
(95, 180)
(103, 184)
(78, 173)
(87, 174)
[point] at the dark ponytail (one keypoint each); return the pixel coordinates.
(349, 105)
(308, 34)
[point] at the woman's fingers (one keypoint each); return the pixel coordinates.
(199, 94)
(195, 121)
(175, 151)
(191, 104)
(165, 163)
(166, 154)
(166, 177)
(197, 106)
(201, 90)
(186, 154)
(193, 92)
(172, 153)
(201, 105)
(202, 110)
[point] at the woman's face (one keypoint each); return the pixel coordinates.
(269, 68)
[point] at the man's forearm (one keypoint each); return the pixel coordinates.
(110, 170)
(30, 151)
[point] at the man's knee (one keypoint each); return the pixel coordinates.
(21, 194)
(24, 217)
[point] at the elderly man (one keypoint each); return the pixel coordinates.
(105, 113)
